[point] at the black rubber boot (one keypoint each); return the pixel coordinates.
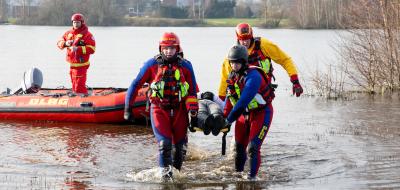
(165, 159)
(240, 157)
(179, 155)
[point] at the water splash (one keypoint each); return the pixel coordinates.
(154, 175)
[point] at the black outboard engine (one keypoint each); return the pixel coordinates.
(31, 82)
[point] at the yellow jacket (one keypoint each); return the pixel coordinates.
(270, 50)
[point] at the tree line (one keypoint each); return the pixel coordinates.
(299, 13)
(112, 12)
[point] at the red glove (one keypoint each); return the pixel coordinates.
(192, 103)
(297, 89)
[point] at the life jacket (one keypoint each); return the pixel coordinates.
(169, 86)
(257, 58)
(265, 93)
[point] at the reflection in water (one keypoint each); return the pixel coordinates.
(312, 142)
(72, 184)
(79, 152)
(343, 145)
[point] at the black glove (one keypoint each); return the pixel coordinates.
(193, 121)
(81, 43)
(227, 127)
(224, 128)
(128, 116)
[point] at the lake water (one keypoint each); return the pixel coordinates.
(312, 144)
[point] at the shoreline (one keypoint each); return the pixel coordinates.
(170, 22)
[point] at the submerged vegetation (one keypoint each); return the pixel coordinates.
(369, 52)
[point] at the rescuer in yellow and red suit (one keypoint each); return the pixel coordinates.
(261, 53)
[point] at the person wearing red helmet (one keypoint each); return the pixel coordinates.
(246, 103)
(80, 44)
(173, 90)
(261, 53)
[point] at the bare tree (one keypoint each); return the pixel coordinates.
(318, 13)
(3, 10)
(371, 50)
(197, 10)
(331, 83)
(273, 12)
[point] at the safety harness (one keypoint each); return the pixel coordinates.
(169, 86)
(257, 58)
(236, 83)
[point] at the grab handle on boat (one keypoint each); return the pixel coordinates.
(86, 104)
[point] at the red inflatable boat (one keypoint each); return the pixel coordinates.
(102, 105)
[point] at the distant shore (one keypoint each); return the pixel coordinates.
(166, 22)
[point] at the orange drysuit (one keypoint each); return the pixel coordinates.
(78, 54)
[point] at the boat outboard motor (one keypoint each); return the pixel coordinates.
(31, 82)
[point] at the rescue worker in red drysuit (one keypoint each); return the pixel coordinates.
(261, 53)
(172, 97)
(249, 97)
(80, 45)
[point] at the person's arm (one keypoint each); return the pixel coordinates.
(143, 76)
(226, 69)
(252, 84)
(191, 79)
(227, 108)
(89, 46)
(281, 58)
(278, 56)
(191, 101)
(61, 42)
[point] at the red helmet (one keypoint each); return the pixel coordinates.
(244, 31)
(77, 17)
(169, 39)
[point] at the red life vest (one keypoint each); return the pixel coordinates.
(257, 58)
(169, 86)
(236, 84)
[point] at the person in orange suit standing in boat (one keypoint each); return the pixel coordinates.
(80, 44)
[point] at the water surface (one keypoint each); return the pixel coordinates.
(312, 144)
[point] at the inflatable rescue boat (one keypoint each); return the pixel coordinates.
(100, 105)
